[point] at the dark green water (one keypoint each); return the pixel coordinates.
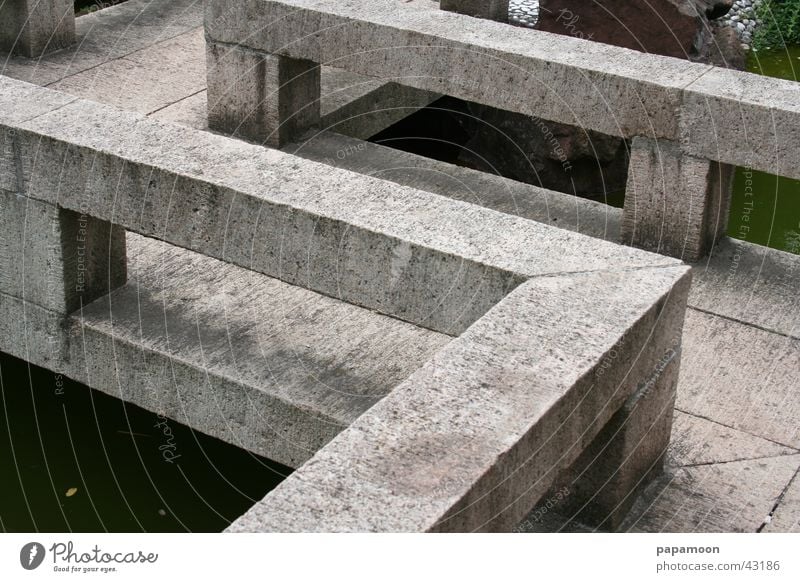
(60, 435)
(770, 203)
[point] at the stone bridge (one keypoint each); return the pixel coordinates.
(433, 348)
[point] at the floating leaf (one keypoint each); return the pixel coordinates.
(72, 491)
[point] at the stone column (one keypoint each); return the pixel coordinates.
(56, 258)
(675, 204)
(34, 27)
(261, 97)
(488, 9)
(627, 454)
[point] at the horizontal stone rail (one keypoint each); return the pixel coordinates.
(558, 336)
(263, 58)
(474, 438)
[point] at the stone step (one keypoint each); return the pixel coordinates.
(271, 367)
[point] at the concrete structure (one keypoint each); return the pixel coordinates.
(34, 27)
(735, 449)
(343, 235)
(535, 73)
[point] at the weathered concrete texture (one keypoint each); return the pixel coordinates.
(146, 80)
(489, 9)
(785, 517)
(273, 368)
(741, 377)
(750, 283)
(33, 333)
(264, 98)
(459, 183)
(109, 34)
(674, 204)
(551, 76)
(34, 27)
(698, 441)
(743, 119)
(627, 454)
(305, 217)
(475, 437)
(711, 498)
(56, 258)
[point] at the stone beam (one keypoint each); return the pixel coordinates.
(352, 237)
(599, 87)
(474, 438)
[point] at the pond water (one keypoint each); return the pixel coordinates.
(772, 203)
(74, 459)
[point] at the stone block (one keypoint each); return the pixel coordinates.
(260, 97)
(33, 27)
(674, 204)
(56, 258)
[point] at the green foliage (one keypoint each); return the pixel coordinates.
(780, 24)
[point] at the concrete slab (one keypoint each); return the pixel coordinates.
(109, 34)
(697, 441)
(722, 497)
(191, 111)
(741, 377)
(147, 80)
(750, 283)
(785, 517)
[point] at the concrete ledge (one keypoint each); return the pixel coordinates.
(417, 44)
(330, 230)
(475, 437)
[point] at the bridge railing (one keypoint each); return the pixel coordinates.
(565, 350)
(687, 121)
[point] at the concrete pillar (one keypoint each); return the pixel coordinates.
(675, 204)
(488, 9)
(260, 97)
(626, 455)
(56, 258)
(34, 27)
